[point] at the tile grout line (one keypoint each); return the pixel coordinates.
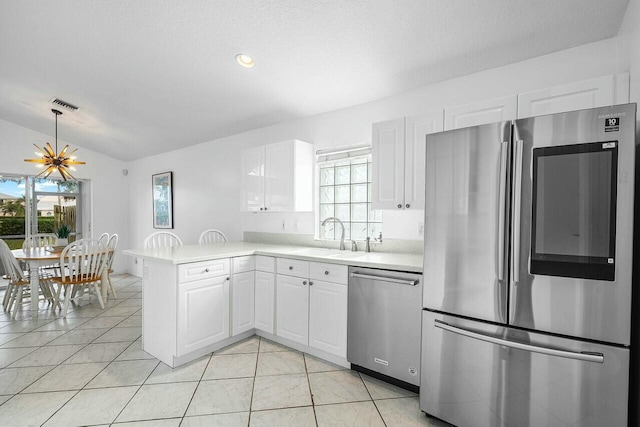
(196, 389)
(54, 367)
(313, 402)
(45, 345)
(255, 374)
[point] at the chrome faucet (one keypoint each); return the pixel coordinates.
(341, 225)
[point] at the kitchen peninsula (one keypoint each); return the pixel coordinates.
(200, 298)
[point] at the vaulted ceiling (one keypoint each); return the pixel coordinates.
(151, 76)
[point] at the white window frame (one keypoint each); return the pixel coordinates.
(334, 158)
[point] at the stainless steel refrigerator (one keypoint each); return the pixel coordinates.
(528, 271)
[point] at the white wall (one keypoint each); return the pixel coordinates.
(109, 186)
(207, 176)
(629, 50)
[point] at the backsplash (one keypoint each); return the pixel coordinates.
(387, 245)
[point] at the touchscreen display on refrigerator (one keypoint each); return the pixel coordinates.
(574, 210)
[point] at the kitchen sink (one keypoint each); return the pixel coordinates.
(347, 254)
(315, 251)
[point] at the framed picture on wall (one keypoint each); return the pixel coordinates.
(162, 189)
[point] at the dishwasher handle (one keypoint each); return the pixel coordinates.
(385, 279)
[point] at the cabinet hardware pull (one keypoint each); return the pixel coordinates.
(227, 279)
(326, 273)
(206, 270)
(407, 205)
(399, 206)
(310, 283)
(265, 208)
(304, 282)
(291, 267)
(261, 209)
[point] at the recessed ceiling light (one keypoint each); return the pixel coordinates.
(245, 60)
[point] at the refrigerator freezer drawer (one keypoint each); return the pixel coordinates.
(478, 374)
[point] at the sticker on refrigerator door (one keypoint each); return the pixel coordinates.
(380, 361)
(612, 124)
(413, 371)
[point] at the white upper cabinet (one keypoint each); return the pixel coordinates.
(398, 161)
(387, 162)
(253, 179)
(598, 92)
(480, 113)
(278, 177)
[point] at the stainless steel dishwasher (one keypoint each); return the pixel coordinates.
(384, 324)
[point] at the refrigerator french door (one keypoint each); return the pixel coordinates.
(528, 269)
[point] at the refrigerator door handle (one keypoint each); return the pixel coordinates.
(517, 211)
(583, 356)
(502, 208)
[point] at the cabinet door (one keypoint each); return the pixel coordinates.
(253, 165)
(242, 302)
(328, 317)
(387, 162)
(599, 92)
(264, 301)
(292, 308)
(279, 176)
(480, 113)
(417, 129)
(203, 313)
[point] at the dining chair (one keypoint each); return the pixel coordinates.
(39, 240)
(82, 263)
(104, 238)
(161, 239)
(111, 245)
(16, 291)
(212, 236)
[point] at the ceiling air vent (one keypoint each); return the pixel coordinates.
(64, 104)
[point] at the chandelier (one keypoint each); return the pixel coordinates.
(61, 162)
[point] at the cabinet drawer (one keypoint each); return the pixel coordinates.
(329, 272)
(243, 264)
(203, 270)
(292, 267)
(265, 263)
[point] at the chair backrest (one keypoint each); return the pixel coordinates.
(212, 236)
(83, 261)
(11, 265)
(39, 240)
(111, 247)
(161, 239)
(104, 238)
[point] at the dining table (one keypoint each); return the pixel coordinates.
(41, 257)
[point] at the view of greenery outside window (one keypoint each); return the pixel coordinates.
(53, 203)
(345, 193)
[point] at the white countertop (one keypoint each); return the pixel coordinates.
(194, 253)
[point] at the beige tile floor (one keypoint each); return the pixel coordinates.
(90, 369)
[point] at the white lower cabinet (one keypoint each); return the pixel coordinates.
(203, 313)
(243, 296)
(292, 308)
(328, 317)
(312, 311)
(265, 295)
